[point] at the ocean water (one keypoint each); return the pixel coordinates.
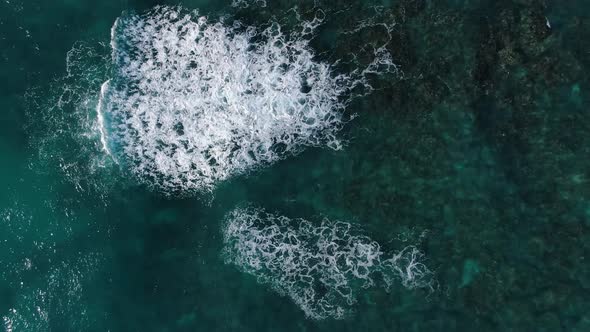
(399, 165)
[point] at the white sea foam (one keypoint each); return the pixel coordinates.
(100, 119)
(320, 267)
(193, 102)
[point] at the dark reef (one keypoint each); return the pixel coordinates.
(482, 140)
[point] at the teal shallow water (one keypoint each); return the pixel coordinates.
(477, 153)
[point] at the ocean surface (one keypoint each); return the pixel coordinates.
(311, 165)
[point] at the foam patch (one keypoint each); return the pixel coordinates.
(322, 267)
(193, 102)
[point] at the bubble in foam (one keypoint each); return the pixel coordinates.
(320, 267)
(193, 102)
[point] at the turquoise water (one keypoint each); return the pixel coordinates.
(475, 151)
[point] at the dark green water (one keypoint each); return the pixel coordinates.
(482, 145)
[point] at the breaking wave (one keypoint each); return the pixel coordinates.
(320, 267)
(64, 128)
(193, 102)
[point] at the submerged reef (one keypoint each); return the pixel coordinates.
(321, 267)
(483, 141)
